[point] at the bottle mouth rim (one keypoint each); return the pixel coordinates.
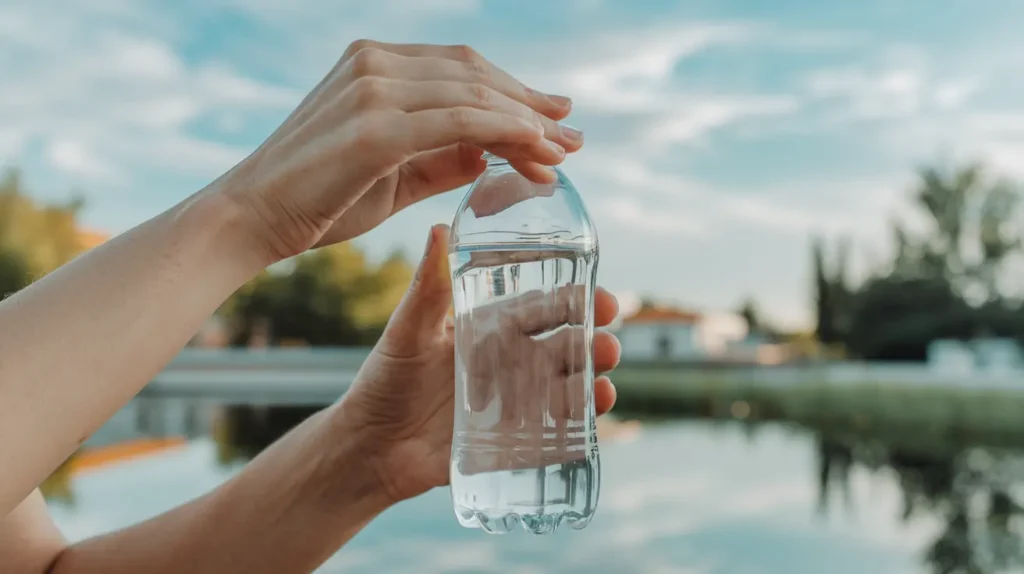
(492, 159)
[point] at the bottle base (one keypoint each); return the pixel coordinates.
(539, 524)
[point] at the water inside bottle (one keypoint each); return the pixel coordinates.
(525, 443)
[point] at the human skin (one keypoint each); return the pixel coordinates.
(389, 126)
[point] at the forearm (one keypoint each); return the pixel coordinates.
(79, 343)
(287, 511)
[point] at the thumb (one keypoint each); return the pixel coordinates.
(419, 319)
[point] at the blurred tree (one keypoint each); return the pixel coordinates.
(971, 228)
(44, 236)
(944, 279)
(381, 291)
(895, 318)
(832, 292)
(14, 272)
(835, 461)
(748, 310)
(330, 297)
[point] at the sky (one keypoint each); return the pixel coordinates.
(721, 134)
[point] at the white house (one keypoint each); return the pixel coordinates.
(666, 334)
(986, 354)
(758, 347)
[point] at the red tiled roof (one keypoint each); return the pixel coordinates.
(653, 314)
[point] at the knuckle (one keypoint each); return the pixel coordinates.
(478, 69)
(466, 54)
(460, 117)
(481, 94)
(368, 62)
(356, 47)
(370, 91)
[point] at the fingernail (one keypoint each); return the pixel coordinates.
(571, 133)
(555, 147)
(560, 101)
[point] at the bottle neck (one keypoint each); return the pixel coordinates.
(493, 160)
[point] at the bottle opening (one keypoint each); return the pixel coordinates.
(493, 159)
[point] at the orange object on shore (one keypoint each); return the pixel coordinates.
(93, 458)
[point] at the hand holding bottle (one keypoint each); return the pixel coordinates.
(401, 407)
(390, 125)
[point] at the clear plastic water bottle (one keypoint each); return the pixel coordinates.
(524, 262)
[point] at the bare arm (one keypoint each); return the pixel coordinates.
(389, 126)
(79, 343)
(287, 511)
(29, 540)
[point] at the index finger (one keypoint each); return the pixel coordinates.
(553, 106)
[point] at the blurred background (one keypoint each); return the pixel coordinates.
(810, 211)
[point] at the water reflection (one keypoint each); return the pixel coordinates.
(699, 492)
(970, 490)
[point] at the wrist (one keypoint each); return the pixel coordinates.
(352, 453)
(225, 227)
(271, 232)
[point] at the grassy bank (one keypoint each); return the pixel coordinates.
(947, 414)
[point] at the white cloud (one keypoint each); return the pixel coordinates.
(106, 102)
(70, 156)
(272, 10)
(633, 174)
(634, 72)
(634, 216)
(954, 94)
(995, 137)
(692, 121)
(103, 92)
(697, 208)
(892, 91)
(11, 143)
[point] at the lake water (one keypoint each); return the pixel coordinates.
(678, 497)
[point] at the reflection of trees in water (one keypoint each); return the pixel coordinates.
(244, 431)
(834, 459)
(971, 490)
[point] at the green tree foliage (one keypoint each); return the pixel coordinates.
(14, 272)
(749, 312)
(832, 292)
(944, 278)
(330, 296)
(44, 237)
(895, 318)
(972, 227)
